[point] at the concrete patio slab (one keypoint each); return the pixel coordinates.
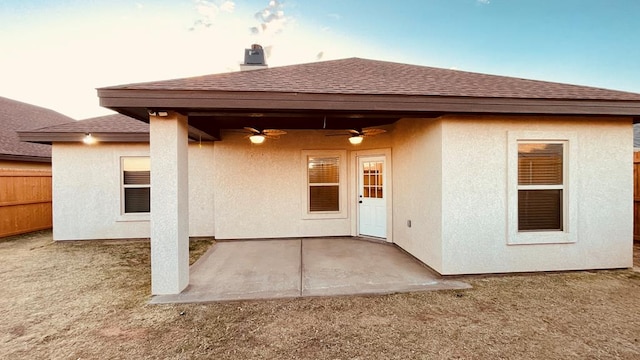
(267, 269)
(344, 266)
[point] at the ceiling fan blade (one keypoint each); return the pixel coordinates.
(373, 132)
(273, 132)
(253, 130)
(355, 132)
(337, 135)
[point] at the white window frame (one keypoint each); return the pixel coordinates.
(342, 191)
(139, 216)
(569, 232)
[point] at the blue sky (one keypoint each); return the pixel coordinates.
(56, 52)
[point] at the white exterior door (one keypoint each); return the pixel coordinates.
(372, 196)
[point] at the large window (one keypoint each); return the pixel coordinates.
(324, 183)
(542, 194)
(136, 185)
(540, 186)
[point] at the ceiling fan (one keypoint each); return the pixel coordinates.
(357, 135)
(258, 136)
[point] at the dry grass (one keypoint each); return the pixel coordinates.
(88, 300)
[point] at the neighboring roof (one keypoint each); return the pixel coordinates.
(16, 116)
(355, 93)
(371, 77)
(108, 128)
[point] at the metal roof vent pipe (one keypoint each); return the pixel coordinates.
(254, 58)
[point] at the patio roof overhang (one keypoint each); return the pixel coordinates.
(211, 111)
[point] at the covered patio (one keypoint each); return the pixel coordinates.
(449, 153)
(286, 268)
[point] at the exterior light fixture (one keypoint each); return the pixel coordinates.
(355, 140)
(257, 139)
(158, 113)
(88, 139)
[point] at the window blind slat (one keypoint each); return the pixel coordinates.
(324, 198)
(323, 170)
(539, 210)
(540, 164)
(137, 200)
(137, 177)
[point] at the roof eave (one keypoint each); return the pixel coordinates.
(25, 158)
(118, 99)
(51, 137)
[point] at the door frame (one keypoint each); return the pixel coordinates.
(354, 157)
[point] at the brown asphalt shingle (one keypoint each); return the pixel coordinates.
(116, 123)
(371, 77)
(16, 116)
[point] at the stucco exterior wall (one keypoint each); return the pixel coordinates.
(417, 193)
(450, 179)
(260, 189)
(475, 204)
(87, 192)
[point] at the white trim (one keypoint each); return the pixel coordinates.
(569, 233)
(343, 211)
(353, 187)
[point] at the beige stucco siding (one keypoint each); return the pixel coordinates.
(475, 205)
(417, 193)
(450, 179)
(87, 192)
(260, 190)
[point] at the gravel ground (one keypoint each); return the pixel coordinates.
(88, 300)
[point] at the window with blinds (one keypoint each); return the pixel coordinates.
(540, 186)
(323, 183)
(136, 185)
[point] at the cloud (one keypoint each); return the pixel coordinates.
(209, 10)
(272, 19)
(335, 16)
(483, 2)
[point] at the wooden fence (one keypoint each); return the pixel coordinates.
(636, 196)
(25, 201)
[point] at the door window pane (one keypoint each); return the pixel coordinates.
(372, 179)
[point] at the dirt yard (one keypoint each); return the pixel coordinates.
(88, 300)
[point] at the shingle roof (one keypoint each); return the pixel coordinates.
(15, 116)
(116, 123)
(108, 128)
(371, 77)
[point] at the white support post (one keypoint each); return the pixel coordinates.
(169, 203)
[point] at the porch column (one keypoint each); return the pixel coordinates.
(169, 203)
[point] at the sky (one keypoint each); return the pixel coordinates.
(55, 53)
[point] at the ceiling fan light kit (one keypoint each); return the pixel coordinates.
(357, 135)
(355, 140)
(257, 136)
(257, 139)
